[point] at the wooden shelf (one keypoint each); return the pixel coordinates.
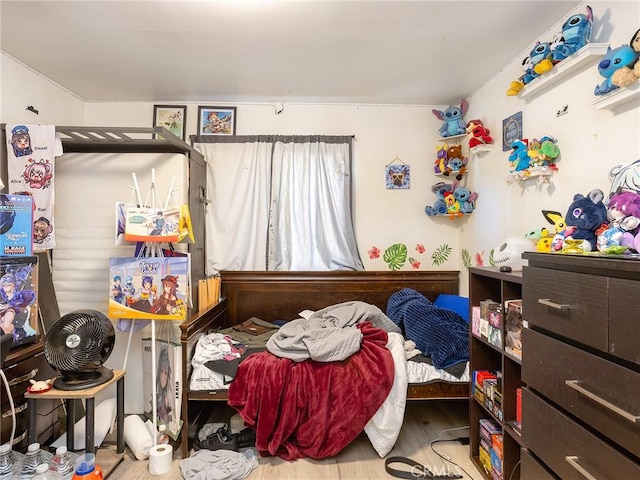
(618, 97)
(583, 58)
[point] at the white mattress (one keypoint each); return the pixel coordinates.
(420, 372)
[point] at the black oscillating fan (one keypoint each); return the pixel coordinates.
(77, 345)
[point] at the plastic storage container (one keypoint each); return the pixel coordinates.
(86, 468)
(63, 462)
(43, 473)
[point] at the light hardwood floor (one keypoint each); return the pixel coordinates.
(424, 422)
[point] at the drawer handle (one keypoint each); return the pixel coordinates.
(557, 306)
(23, 378)
(573, 461)
(623, 413)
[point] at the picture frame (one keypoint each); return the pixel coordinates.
(171, 117)
(216, 120)
(511, 130)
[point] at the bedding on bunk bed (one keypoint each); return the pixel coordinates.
(331, 374)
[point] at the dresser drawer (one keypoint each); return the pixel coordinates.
(624, 319)
(568, 449)
(601, 393)
(531, 469)
(573, 305)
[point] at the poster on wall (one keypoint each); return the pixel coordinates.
(511, 130)
(397, 175)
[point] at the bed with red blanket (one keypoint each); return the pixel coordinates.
(299, 407)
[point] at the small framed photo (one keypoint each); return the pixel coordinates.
(171, 117)
(216, 120)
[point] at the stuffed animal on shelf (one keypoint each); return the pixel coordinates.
(587, 214)
(456, 162)
(527, 76)
(628, 75)
(465, 198)
(541, 58)
(612, 61)
(509, 253)
(480, 135)
(623, 214)
(519, 157)
(576, 33)
(441, 158)
(452, 118)
(439, 207)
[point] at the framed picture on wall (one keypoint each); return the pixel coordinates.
(511, 130)
(216, 120)
(171, 117)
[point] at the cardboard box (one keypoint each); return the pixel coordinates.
(16, 225)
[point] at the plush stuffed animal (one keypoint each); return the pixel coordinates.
(628, 75)
(465, 198)
(586, 214)
(452, 118)
(456, 162)
(623, 214)
(441, 158)
(576, 33)
(613, 60)
(541, 58)
(480, 135)
(439, 207)
(509, 253)
(625, 177)
(519, 156)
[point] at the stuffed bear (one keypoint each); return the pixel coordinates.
(456, 162)
(586, 215)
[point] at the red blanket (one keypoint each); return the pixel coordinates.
(309, 408)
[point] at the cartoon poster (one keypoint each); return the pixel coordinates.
(149, 288)
(143, 224)
(19, 298)
(31, 150)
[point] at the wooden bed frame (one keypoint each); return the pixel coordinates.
(282, 295)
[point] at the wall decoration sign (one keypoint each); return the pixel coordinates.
(216, 120)
(171, 117)
(511, 130)
(397, 175)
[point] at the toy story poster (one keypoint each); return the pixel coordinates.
(149, 288)
(31, 150)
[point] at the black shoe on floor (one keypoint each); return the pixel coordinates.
(246, 438)
(221, 439)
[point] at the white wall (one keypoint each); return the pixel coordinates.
(21, 87)
(591, 141)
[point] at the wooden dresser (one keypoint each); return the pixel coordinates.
(21, 365)
(581, 367)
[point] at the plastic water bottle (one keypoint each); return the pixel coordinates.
(43, 473)
(6, 461)
(34, 457)
(63, 462)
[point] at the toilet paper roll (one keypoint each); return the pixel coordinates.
(160, 459)
(137, 436)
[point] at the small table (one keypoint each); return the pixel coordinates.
(89, 395)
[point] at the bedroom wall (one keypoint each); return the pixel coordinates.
(591, 141)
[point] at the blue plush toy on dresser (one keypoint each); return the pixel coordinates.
(586, 215)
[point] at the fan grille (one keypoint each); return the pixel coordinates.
(80, 339)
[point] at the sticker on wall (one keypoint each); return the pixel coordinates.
(511, 130)
(397, 175)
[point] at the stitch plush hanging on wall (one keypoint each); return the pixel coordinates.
(397, 175)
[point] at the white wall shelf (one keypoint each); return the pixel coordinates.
(457, 138)
(583, 58)
(619, 96)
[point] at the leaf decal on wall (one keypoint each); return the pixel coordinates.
(466, 258)
(441, 255)
(491, 262)
(395, 256)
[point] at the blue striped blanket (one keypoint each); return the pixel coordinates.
(441, 334)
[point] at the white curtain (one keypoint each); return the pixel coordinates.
(279, 203)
